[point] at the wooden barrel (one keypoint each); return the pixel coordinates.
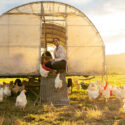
(49, 94)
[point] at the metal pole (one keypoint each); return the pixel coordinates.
(66, 37)
(44, 24)
(40, 46)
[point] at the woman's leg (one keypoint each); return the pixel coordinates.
(49, 65)
(59, 65)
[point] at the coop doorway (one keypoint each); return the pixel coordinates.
(52, 27)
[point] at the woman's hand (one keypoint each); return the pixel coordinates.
(52, 62)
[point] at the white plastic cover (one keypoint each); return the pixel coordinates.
(23, 31)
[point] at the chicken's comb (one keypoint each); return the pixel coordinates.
(105, 85)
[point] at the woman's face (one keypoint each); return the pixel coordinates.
(56, 42)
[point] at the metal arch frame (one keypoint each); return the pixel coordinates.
(82, 14)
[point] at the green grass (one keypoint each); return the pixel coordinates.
(81, 110)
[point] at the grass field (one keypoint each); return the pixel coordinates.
(81, 110)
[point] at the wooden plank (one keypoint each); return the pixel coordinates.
(49, 94)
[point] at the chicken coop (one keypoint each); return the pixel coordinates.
(29, 29)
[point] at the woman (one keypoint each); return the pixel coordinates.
(59, 62)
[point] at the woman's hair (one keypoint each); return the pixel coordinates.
(47, 53)
(46, 56)
(56, 39)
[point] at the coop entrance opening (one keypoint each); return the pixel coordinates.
(52, 26)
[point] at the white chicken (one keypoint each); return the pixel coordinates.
(58, 82)
(124, 105)
(6, 90)
(117, 92)
(100, 87)
(21, 100)
(1, 93)
(93, 90)
(106, 92)
(43, 72)
(122, 88)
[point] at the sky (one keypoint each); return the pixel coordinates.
(108, 16)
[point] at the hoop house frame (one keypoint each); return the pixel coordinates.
(29, 27)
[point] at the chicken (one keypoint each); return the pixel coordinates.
(16, 89)
(58, 82)
(124, 105)
(122, 88)
(11, 84)
(1, 93)
(107, 91)
(18, 86)
(93, 90)
(6, 90)
(117, 92)
(43, 72)
(69, 85)
(21, 100)
(100, 85)
(78, 86)
(101, 88)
